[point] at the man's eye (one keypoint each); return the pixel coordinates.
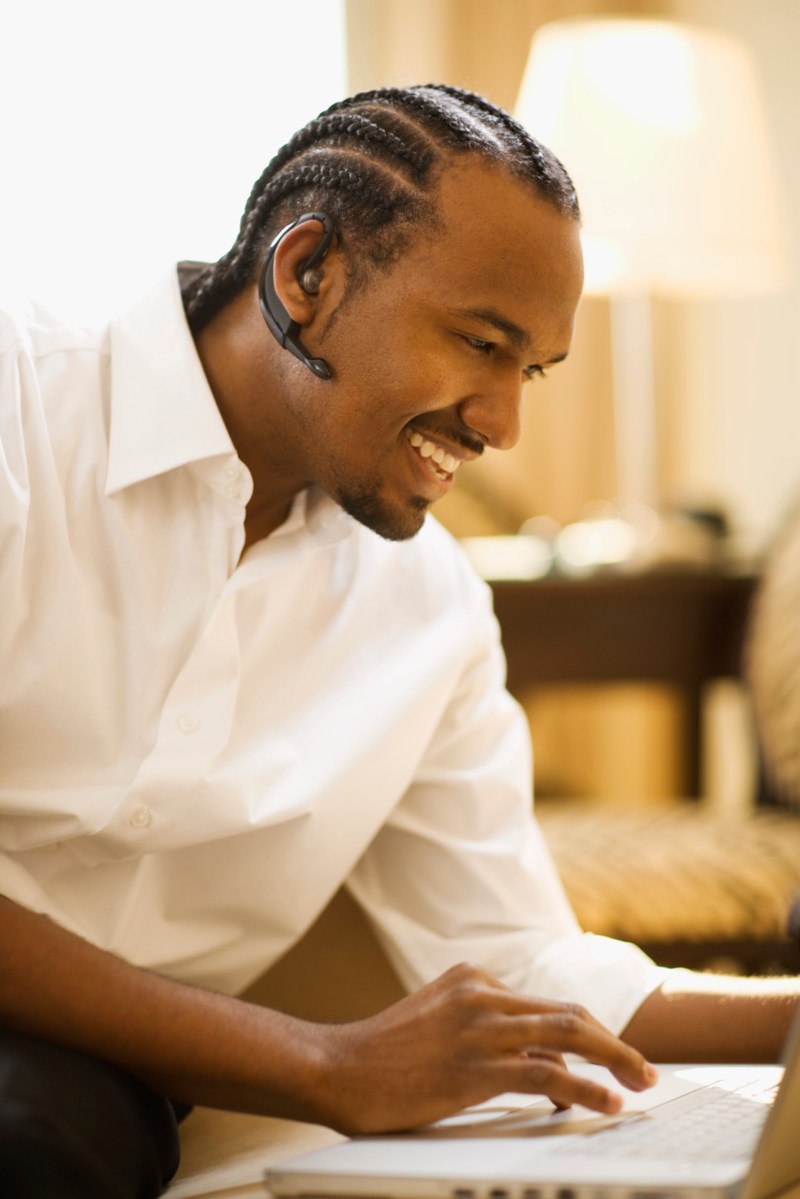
(483, 347)
(531, 372)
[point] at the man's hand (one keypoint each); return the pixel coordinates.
(459, 1041)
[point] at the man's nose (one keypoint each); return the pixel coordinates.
(494, 413)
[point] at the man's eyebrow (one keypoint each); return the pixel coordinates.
(518, 337)
(490, 316)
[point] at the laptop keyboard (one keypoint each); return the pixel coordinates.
(720, 1128)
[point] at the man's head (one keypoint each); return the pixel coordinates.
(371, 162)
(453, 276)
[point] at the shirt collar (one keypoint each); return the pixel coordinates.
(163, 413)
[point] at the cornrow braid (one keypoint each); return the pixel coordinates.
(371, 161)
(348, 126)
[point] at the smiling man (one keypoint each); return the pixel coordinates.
(429, 352)
(240, 665)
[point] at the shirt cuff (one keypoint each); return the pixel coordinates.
(611, 979)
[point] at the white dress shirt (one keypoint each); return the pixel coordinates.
(196, 750)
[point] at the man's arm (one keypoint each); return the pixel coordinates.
(456, 1042)
(710, 1017)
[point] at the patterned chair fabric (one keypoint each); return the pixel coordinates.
(676, 872)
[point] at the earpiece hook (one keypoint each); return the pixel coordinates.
(280, 324)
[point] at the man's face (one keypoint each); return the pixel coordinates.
(430, 356)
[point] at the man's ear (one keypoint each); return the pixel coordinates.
(301, 277)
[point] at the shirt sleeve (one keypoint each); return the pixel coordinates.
(461, 871)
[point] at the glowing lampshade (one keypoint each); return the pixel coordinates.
(661, 127)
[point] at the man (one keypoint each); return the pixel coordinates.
(240, 666)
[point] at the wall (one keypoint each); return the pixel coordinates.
(735, 408)
(133, 133)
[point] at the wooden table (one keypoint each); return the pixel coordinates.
(683, 629)
(225, 1154)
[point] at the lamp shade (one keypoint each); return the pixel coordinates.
(661, 127)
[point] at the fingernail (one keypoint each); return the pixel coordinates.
(650, 1073)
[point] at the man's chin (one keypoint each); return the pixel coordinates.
(390, 523)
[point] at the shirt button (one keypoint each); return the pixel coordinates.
(141, 817)
(187, 723)
(231, 480)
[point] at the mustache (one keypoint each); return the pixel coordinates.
(458, 436)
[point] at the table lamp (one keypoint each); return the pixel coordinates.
(661, 127)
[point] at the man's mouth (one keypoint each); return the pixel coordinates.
(441, 461)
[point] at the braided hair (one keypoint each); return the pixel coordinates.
(371, 162)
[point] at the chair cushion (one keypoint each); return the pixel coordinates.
(675, 871)
(772, 656)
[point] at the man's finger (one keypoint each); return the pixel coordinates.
(546, 1076)
(566, 1032)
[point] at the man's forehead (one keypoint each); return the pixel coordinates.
(475, 184)
(484, 211)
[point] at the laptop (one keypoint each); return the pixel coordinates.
(702, 1132)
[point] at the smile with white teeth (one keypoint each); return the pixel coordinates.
(441, 463)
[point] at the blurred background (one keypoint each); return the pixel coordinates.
(134, 133)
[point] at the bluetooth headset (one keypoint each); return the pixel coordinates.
(278, 320)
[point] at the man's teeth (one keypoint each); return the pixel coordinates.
(446, 463)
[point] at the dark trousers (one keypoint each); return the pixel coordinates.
(74, 1127)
